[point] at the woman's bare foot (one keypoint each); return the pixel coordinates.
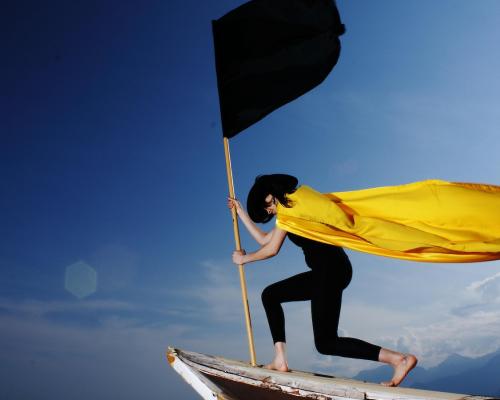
(279, 363)
(401, 368)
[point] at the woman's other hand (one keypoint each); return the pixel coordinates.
(238, 256)
(231, 203)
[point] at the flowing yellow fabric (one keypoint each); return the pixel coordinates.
(428, 221)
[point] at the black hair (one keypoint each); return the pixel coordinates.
(277, 185)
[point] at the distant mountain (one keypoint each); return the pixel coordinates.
(459, 374)
(483, 380)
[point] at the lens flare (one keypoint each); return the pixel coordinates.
(80, 279)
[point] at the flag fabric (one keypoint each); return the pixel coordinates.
(269, 52)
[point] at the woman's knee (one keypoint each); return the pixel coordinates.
(326, 347)
(268, 295)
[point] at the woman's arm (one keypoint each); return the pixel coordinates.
(268, 250)
(258, 234)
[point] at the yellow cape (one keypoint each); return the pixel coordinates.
(428, 221)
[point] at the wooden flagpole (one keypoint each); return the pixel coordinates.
(238, 247)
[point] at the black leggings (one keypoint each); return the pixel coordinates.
(323, 285)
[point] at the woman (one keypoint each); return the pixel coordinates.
(330, 273)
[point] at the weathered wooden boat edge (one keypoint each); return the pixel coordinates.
(203, 386)
(216, 377)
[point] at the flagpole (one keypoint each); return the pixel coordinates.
(241, 268)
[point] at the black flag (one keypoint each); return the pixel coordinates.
(269, 52)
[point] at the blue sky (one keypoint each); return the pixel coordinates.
(111, 155)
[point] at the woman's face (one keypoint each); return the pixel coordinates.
(270, 204)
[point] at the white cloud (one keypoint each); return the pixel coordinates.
(37, 308)
(219, 292)
(119, 359)
(487, 289)
(470, 329)
(472, 336)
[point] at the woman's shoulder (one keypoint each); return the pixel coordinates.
(303, 192)
(303, 201)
